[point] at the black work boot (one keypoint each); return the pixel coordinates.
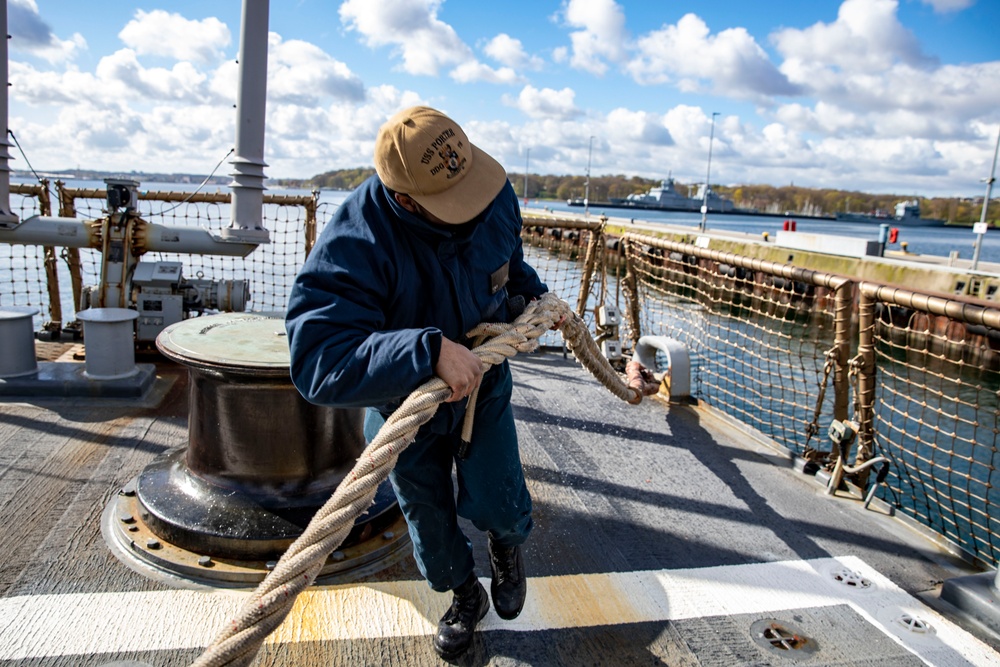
(509, 583)
(458, 624)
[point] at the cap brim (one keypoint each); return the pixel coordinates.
(471, 195)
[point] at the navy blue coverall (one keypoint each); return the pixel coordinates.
(365, 321)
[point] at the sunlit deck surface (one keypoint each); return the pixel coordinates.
(663, 535)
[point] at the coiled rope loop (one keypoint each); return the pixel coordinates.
(298, 567)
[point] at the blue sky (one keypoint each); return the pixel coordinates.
(895, 96)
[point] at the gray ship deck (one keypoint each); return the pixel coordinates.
(663, 535)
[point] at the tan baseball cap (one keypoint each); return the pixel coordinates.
(422, 153)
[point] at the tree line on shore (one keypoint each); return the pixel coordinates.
(763, 198)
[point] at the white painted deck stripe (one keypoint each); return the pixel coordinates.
(53, 625)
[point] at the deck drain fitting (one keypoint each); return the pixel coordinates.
(852, 579)
(782, 638)
(915, 625)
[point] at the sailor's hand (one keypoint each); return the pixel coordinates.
(459, 368)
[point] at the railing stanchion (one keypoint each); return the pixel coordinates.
(843, 304)
(866, 381)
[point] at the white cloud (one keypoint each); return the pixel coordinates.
(868, 67)
(603, 36)
(304, 141)
(425, 43)
(867, 36)
(473, 71)
(731, 61)
(627, 127)
(32, 35)
(302, 73)
(869, 109)
(945, 6)
(159, 33)
(509, 51)
(122, 76)
(39, 87)
(545, 103)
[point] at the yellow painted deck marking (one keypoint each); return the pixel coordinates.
(110, 623)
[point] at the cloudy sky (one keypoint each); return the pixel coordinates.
(898, 96)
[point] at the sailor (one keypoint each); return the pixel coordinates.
(416, 256)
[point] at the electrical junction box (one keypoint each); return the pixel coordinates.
(157, 312)
(611, 349)
(154, 289)
(122, 193)
(842, 432)
(157, 274)
(608, 316)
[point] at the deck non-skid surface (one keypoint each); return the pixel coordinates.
(659, 538)
(710, 616)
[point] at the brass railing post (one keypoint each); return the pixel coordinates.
(310, 230)
(865, 369)
(631, 291)
(593, 246)
(67, 209)
(843, 303)
(54, 325)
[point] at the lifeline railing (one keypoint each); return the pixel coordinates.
(786, 350)
(928, 391)
(777, 347)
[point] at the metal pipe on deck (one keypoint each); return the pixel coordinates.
(150, 237)
(52, 231)
(248, 165)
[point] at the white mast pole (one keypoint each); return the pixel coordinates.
(586, 187)
(527, 154)
(708, 176)
(7, 217)
(986, 203)
(248, 165)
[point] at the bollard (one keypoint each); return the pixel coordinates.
(17, 353)
(109, 340)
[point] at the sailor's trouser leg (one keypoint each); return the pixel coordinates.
(492, 493)
(426, 495)
(491, 489)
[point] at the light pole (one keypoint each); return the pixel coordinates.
(527, 154)
(708, 176)
(586, 187)
(982, 218)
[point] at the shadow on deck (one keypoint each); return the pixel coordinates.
(663, 535)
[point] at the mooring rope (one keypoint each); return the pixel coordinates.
(298, 567)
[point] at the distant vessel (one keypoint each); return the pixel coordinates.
(907, 213)
(667, 198)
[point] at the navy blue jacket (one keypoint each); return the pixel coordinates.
(381, 286)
